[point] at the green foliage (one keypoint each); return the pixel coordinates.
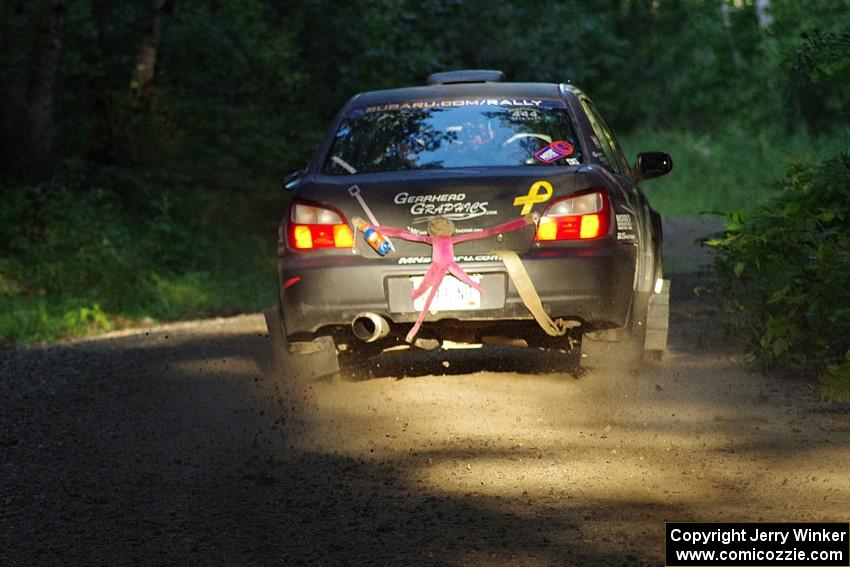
(248, 87)
(783, 272)
(731, 168)
(228, 75)
(78, 260)
(29, 319)
(835, 384)
(821, 77)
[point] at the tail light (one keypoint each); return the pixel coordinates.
(312, 227)
(578, 217)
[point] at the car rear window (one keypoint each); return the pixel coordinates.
(453, 133)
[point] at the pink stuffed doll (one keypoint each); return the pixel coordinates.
(442, 239)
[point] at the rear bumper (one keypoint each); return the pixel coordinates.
(591, 283)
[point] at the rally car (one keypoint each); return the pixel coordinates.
(469, 210)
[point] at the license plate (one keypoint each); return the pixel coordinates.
(453, 295)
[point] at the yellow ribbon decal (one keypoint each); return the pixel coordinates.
(534, 196)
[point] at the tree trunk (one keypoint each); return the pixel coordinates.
(727, 26)
(141, 86)
(763, 14)
(41, 95)
(103, 146)
(14, 121)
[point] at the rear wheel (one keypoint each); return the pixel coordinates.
(619, 348)
(299, 359)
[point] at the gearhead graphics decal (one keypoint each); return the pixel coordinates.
(534, 196)
(452, 206)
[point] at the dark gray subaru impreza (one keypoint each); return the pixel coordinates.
(469, 210)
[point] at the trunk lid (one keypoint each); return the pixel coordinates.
(473, 199)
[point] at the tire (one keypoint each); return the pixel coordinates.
(302, 359)
(619, 348)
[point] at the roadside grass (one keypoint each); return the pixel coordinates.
(28, 318)
(80, 261)
(726, 170)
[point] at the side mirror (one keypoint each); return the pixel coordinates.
(292, 179)
(653, 164)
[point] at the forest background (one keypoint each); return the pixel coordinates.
(143, 142)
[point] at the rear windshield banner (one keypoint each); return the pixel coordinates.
(492, 102)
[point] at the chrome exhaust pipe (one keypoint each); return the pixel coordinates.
(369, 327)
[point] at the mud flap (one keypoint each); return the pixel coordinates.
(302, 359)
(658, 321)
(619, 348)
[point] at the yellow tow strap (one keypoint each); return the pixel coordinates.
(524, 286)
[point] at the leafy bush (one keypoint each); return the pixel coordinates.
(75, 258)
(821, 77)
(783, 273)
(28, 319)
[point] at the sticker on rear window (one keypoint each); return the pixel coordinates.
(525, 115)
(551, 153)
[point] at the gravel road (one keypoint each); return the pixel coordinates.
(174, 446)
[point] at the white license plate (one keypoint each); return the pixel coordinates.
(453, 295)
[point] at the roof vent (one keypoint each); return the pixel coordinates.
(467, 76)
